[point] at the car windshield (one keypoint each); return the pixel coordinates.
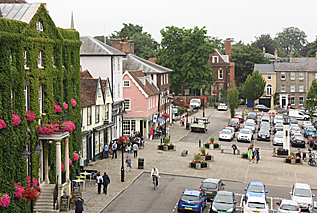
(223, 199)
(307, 123)
(193, 101)
(279, 135)
(289, 207)
(279, 118)
(209, 185)
(256, 189)
(222, 104)
(279, 125)
(190, 197)
(256, 205)
(225, 132)
(265, 124)
(263, 131)
(302, 192)
(249, 124)
(244, 131)
(252, 115)
(311, 129)
(299, 138)
(233, 122)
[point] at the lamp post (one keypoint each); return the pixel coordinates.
(203, 86)
(186, 93)
(122, 112)
(165, 98)
(286, 143)
(25, 154)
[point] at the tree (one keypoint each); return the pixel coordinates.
(291, 39)
(245, 56)
(186, 52)
(233, 99)
(253, 87)
(311, 99)
(266, 41)
(144, 45)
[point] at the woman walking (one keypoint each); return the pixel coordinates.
(129, 148)
(151, 133)
(129, 164)
(250, 154)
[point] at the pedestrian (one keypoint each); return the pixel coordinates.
(114, 149)
(129, 148)
(99, 182)
(250, 154)
(234, 147)
(183, 120)
(79, 205)
(106, 181)
(168, 131)
(135, 148)
(132, 133)
(137, 134)
(151, 133)
(106, 150)
(140, 143)
(129, 164)
(257, 154)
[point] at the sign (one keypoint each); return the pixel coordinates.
(154, 118)
(64, 203)
(76, 190)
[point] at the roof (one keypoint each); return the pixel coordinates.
(192, 192)
(21, 12)
(92, 46)
(264, 68)
(256, 199)
(312, 64)
(88, 88)
(139, 78)
(289, 202)
(291, 67)
(225, 58)
(133, 62)
(223, 192)
(152, 60)
(85, 74)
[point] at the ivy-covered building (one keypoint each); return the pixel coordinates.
(39, 65)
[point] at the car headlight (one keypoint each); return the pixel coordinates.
(214, 209)
(230, 210)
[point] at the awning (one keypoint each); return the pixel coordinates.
(102, 127)
(159, 120)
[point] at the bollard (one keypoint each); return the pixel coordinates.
(161, 140)
(199, 143)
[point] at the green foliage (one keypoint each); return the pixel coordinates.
(311, 99)
(212, 139)
(186, 52)
(203, 150)
(167, 140)
(233, 99)
(197, 157)
(253, 87)
(292, 153)
(275, 98)
(266, 41)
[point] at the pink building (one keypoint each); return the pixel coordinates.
(141, 99)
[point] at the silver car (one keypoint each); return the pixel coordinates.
(226, 134)
(250, 125)
(278, 138)
(288, 206)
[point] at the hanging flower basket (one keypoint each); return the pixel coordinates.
(30, 116)
(204, 98)
(165, 115)
(18, 190)
(4, 200)
(74, 103)
(47, 129)
(65, 106)
(187, 106)
(16, 120)
(31, 193)
(123, 140)
(67, 126)
(75, 156)
(2, 124)
(57, 107)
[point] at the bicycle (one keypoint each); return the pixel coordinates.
(154, 181)
(311, 160)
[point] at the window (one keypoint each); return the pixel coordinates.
(292, 100)
(268, 90)
(119, 64)
(126, 83)
(128, 126)
(153, 101)
(114, 64)
(301, 76)
(149, 103)
(292, 87)
(156, 100)
(215, 59)
(292, 75)
(97, 113)
(269, 76)
(119, 91)
(301, 88)
(167, 78)
(88, 115)
(282, 87)
(25, 61)
(39, 26)
(40, 60)
(164, 79)
(107, 111)
(283, 76)
(161, 80)
(127, 104)
(220, 74)
(301, 100)
(26, 93)
(41, 98)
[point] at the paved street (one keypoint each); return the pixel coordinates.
(271, 170)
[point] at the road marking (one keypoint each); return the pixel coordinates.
(295, 175)
(241, 201)
(197, 171)
(246, 175)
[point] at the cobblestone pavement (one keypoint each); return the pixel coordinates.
(270, 170)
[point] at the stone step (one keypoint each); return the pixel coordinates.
(45, 200)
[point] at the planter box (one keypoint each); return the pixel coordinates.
(203, 165)
(208, 157)
(287, 160)
(192, 165)
(207, 146)
(217, 146)
(298, 161)
(166, 148)
(244, 156)
(279, 152)
(293, 161)
(199, 165)
(160, 147)
(170, 147)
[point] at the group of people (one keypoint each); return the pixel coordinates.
(137, 144)
(253, 154)
(159, 131)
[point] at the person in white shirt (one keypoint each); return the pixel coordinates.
(135, 148)
(155, 175)
(99, 182)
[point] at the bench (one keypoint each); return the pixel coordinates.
(231, 151)
(184, 153)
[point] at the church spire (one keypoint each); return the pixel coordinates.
(72, 22)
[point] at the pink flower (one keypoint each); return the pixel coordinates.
(4, 200)
(2, 124)
(18, 190)
(30, 116)
(15, 119)
(28, 181)
(75, 156)
(62, 166)
(67, 126)
(74, 103)
(65, 105)
(70, 161)
(57, 107)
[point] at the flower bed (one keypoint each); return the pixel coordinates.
(166, 146)
(293, 160)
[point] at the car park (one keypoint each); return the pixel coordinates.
(305, 127)
(298, 140)
(245, 135)
(222, 106)
(255, 205)
(294, 130)
(232, 129)
(224, 201)
(278, 127)
(278, 119)
(301, 193)
(293, 120)
(261, 108)
(278, 138)
(309, 131)
(296, 134)
(264, 134)
(192, 200)
(288, 206)
(226, 134)
(255, 189)
(253, 116)
(234, 123)
(298, 115)
(211, 186)
(265, 125)
(250, 125)
(306, 123)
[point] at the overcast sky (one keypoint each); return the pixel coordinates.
(238, 19)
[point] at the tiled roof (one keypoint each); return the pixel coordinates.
(312, 64)
(152, 60)
(291, 67)
(104, 85)
(148, 88)
(20, 12)
(133, 62)
(264, 68)
(88, 91)
(85, 74)
(92, 46)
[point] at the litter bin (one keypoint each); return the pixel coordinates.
(140, 163)
(187, 126)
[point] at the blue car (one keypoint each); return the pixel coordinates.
(309, 131)
(255, 189)
(192, 200)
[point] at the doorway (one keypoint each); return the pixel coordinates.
(89, 148)
(141, 127)
(283, 101)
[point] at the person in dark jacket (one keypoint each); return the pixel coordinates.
(79, 205)
(106, 181)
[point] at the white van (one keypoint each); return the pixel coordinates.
(194, 103)
(298, 115)
(301, 193)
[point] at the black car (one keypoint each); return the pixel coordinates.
(262, 108)
(234, 123)
(278, 127)
(298, 140)
(211, 186)
(253, 116)
(224, 201)
(264, 134)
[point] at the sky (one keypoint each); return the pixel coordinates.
(238, 19)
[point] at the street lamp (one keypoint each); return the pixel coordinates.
(25, 154)
(186, 93)
(165, 97)
(203, 86)
(122, 112)
(286, 144)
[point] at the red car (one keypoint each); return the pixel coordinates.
(239, 117)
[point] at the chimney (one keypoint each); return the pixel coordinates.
(275, 53)
(115, 43)
(124, 45)
(263, 50)
(131, 44)
(228, 49)
(291, 54)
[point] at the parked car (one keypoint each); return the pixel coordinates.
(306, 123)
(239, 113)
(234, 123)
(265, 125)
(253, 116)
(309, 131)
(262, 108)
(301, 193)
(305, 127)
(232, 129)
(298, 115)
(288, 206)
(222, 106)
(226, 134)
(278, 138)
(293, 120)
(245, 135)
(315, 124)
(250, 125)
(294, 130)
(255, 189)
(255, 205)
(195, 103)
(278, 127)
(211, 186)
(224, 201)
(278, 119)
(192, 200)
(264, 134)
(239, 117)
(298, 140)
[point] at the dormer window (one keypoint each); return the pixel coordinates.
(40, 60)
(39, 26)
(215, 59)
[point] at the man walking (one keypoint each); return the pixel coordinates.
(114, 149)
(79, 205)
(106, 181)
(135, 150)
(234, 147)
(106, 151)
